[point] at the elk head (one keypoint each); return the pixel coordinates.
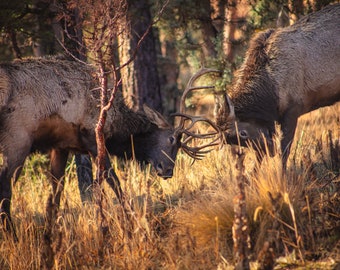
(161, 145)
(244, 132)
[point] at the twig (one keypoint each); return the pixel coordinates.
(240, 227)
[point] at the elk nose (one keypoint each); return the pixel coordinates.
(164, 172)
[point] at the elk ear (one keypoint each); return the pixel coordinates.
(155, 117)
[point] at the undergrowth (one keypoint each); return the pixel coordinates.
(186, 222)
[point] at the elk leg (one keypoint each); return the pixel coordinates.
(110, 175)
(12, 166)
(85, 177)
(58, 165)
(5, 199)
(288, 126)
(113, 180)
(58, 159)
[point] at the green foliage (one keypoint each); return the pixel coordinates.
(263, 13)
(36, 164)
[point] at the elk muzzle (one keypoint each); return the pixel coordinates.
(164, 170)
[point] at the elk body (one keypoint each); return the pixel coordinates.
(51, 105)
(286, 73)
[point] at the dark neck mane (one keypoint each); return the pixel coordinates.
(128, 122)
(254, 92)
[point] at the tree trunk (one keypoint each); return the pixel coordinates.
(209, 32)
(234, 30)
(168, 72)
(217, 14)
(140, 80)
(229, 30)
(43, 43)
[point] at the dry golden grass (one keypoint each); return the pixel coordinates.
(185, 222)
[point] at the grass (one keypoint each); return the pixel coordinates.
(186, 222)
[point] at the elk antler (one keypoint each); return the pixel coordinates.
(196, 152)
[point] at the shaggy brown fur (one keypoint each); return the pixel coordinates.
(286, 73)
(52, 105)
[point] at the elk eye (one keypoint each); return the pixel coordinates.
(243, 134)
(172, 140)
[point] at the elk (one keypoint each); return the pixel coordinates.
(148, 147)
(143, 135)
(286, 73)
(153, 141)
(51, 105)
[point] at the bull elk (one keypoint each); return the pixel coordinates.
(51, 105)
(286, 73)
(148, 147)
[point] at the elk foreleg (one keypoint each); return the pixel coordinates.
(288, 126)
(13, 162)
(113, 180)
(58, 161)
(85, 177)
(5, 199)
(109, 174)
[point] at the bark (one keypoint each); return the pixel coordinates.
(140, 80)
(69, 32)
(209, 33)
(234, 31)
(229, 30)
(240, 227)
(168, 73)
(217, 14)
(283, 17)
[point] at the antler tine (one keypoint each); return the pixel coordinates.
(194, 120)
(197, 152)
(190, 88)
(213, 143)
